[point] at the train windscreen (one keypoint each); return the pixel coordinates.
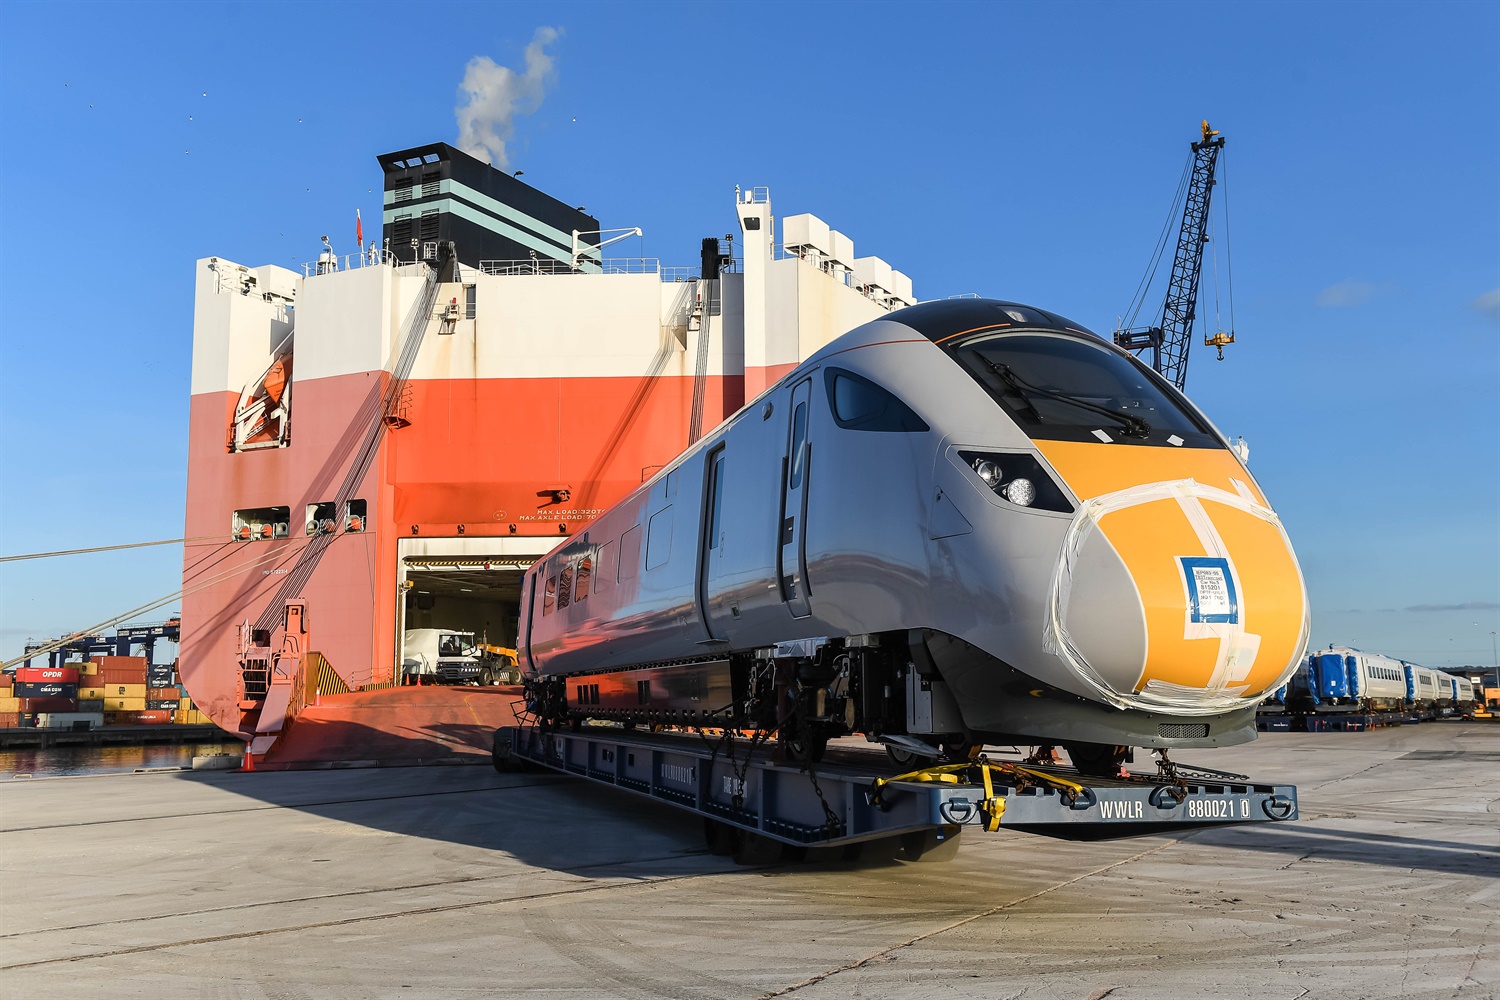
(1064, 388)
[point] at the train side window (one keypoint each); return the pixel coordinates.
(630, 553)
(659, 537)
(581, 584)
(565, 587)
(606, 566)
(861, 405)
(799, 443)
(549, 596)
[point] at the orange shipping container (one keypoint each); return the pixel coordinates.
(143, 718)
(162, 694)
(6, 680)
(10, 720)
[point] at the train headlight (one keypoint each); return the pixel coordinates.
(1019, 491)
(988, 471)
(1018, 478)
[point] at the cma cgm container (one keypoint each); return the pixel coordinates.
(48, 690)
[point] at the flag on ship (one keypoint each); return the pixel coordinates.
(359, 229)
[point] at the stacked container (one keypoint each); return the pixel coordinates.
(46, 689)
(10, 705)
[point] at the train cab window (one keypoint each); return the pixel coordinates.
(565, 588)
(861, 405)
(1064, 387)
(549, 596)
(581, 583)
(799, 444)
(716, 500)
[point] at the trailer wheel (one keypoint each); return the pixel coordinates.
(754, 849)
(720, 837)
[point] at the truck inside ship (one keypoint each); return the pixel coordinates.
(459, 586)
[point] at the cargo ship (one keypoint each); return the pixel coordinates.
(383, 441)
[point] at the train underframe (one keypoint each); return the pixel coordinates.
(805, 693)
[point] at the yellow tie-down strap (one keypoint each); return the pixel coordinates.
(978, 772)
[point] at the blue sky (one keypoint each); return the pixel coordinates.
(1024, 151)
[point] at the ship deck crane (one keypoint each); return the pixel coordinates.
(1169, 340)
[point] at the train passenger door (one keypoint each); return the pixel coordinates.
(711, 547)
(791, 563)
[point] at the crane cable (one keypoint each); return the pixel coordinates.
(1228, 258)
(198, 586)
(1174, 212)
(108, 548)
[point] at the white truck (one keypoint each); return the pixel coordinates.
(444, 656)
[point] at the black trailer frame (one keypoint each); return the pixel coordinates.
(750, 799)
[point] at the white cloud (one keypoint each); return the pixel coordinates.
(1489, 304)
(1347, 293)
(496, 95)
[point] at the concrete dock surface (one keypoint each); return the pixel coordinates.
(456, 881)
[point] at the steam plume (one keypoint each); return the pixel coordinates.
(498, 94)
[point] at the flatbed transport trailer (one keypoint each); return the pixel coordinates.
(761, 809)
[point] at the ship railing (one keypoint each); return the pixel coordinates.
(609, 265)
(333, 263)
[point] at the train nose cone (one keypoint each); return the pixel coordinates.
(1178, 596)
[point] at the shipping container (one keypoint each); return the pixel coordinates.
(10, 720)
(70, 720)
(125, 691)
(47, 675)
(161, 677)
(124, 704)
(50, 689)
(6, 680)
(90, 704)
(161, 704)
(10, 705)
(142, 718)
(29, 705)
(92, 692)
(158, 693)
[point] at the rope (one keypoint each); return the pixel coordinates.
(239, 568)
(108, 548)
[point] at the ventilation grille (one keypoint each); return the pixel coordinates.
(1182, 730)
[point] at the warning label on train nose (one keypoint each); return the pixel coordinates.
(1210, 590)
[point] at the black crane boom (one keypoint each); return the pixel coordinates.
(1170, 339)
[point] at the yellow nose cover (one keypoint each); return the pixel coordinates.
(1225, 608)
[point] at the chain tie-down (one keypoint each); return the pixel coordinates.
(983, 772)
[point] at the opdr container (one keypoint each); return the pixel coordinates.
(47, 675)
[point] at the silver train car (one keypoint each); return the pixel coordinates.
(970, 521)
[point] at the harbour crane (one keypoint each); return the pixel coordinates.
(1169, 340)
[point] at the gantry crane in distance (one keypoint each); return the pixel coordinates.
(1169, 340)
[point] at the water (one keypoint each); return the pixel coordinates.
(53, 762)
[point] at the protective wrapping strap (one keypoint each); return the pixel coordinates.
(1237, 648)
